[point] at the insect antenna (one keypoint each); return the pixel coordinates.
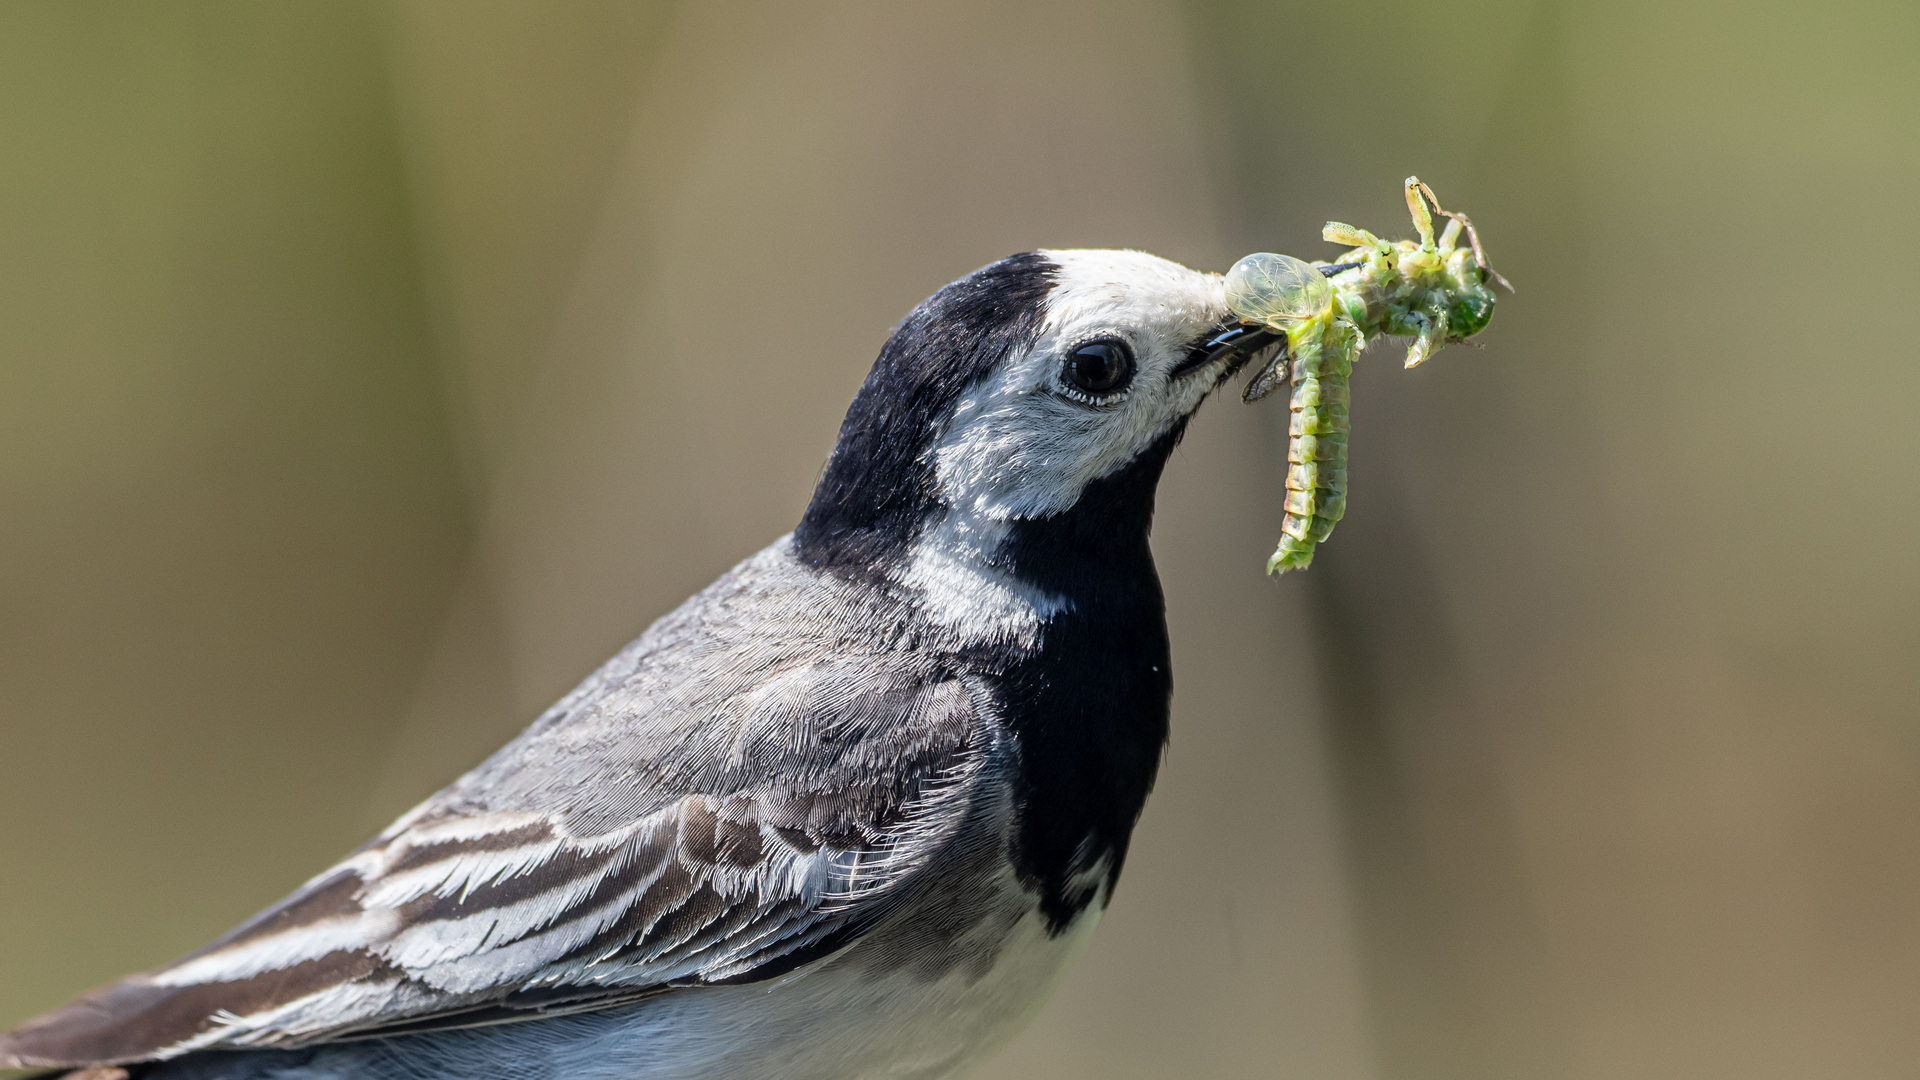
(1479, 253)
(1473, 238)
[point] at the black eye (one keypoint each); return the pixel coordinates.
(1100, 367)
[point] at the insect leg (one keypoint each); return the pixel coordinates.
(1339, 232)
(1269, 377)
(1433, 334)
(1473, 238)
(1417, 196)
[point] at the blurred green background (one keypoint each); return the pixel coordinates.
(370, 371)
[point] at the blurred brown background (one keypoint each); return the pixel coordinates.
(370, 371)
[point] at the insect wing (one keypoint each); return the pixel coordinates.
(1277, 291)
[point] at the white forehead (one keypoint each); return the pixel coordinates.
(1014, 447)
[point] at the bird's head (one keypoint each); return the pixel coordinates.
(1016, 423)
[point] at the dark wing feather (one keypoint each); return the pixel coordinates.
(708, 808)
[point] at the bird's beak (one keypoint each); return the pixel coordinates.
(1232, 341)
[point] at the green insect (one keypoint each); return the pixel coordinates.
(1432, 291)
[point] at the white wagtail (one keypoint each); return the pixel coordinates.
(849, 812)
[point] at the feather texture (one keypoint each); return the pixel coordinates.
(717, 803)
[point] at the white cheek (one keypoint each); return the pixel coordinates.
(1020, 454)
(1018, 451)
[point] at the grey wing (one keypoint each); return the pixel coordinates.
(583, 867)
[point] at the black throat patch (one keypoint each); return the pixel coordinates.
(1090, 706)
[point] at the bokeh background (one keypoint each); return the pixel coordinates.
(370, 371)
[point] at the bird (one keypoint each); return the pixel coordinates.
(851, 811)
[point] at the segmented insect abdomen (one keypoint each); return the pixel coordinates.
(1316, 447)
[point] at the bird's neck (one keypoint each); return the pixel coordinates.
(1089, 704)
(958, 575)
(995, 579)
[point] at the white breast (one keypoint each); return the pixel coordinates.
(851, 1021)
